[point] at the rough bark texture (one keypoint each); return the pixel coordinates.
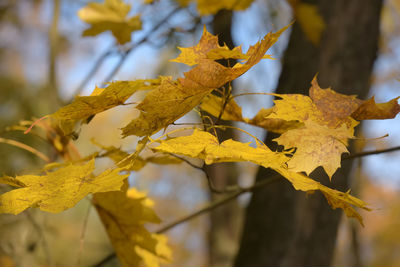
(225, 222)
(284, 228)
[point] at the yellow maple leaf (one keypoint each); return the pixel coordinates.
(173, 99)
(310, 20)
(59, 190)
(213, 104)
(204, 145)
(328, 121)
(317, 145)
(335, 108)
(118, 156)
(110, 16)
(163, 106)
(209, 48)
(116, 93)
(124, 214)
(211, 7)
(369, 110)
(232, 111)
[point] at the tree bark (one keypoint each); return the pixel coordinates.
(225, 222)
(283, 227)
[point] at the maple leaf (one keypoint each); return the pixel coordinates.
(83, 107)
(211, 7)
(203, 145)
(110, 16)
(59, 190)
(310, 20)
(124, 214)
(317, 145)
(173, 99)
(232, 111)
(369, 110)
(214, 104)
(118, 156)
(208, 48)
(328, 119)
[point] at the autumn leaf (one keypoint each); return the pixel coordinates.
(211, 7)
(124, 214)
(59, 190)
(208, 48)
(329, 122)
(116, 93)
(213, 105)
(203, 145)
(310, 20)
(118, 156)
(317, 145)
(369, 110)
(110, 16)
(336, 199)
(173, 99)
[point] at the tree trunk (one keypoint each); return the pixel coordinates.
(283, 227)
(225, 222)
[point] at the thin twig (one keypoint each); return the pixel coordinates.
(226, 101)
(219, 203)
(40, 232)
(124, 56)
(82, 237)
(97, 64)
(210, 183)
(25, 147)
(368, 153)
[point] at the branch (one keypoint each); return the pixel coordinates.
(211, 185)
(143, 40)
(25, 147)
(368, 153)
(219, 203)
(97, 64)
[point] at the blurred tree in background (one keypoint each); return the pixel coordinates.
(45, 62)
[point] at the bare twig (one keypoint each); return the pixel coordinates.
(368, 153)
(210, 183)
(25, 147)
(97, 64)
(40, 232)
(124, 56)
(82, 237)
(219, 203)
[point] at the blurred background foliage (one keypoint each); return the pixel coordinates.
(44, 62)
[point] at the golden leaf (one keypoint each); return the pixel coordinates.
(211, 7)
(173, 99)
(310, 20)
(110, 16)
(117, 155)
(59, 190)
(204, 145)
(116, 93)
(336, 108)
(209, 48)
(213, 105)
(124, 215)
(317, 145)
(369, 110)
